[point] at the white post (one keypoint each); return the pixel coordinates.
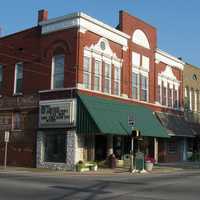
(156, 150)
(5, 155)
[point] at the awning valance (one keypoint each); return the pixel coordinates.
(111, 117)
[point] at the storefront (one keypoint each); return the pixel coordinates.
(56, 134)
(180, 146)
(92, 128)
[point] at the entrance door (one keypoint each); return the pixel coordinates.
(100, 147)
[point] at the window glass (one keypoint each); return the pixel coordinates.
(55, 150)
(117, 80)
(169, 97)
(172, 147)
(143, 88)
(135, 85)
(58, 71)
(86, 72)
(145, 62)
(97, 75)
(16, 121)
(135, 59)
(107, 78)
(18, 77)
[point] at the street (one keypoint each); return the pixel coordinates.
(179, 185)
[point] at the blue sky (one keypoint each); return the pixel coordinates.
(177, 21)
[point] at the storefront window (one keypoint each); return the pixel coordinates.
(55, 148)
(172, 147)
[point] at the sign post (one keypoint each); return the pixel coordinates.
(6, 140)
(131, 122)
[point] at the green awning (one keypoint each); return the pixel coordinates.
(111, 117)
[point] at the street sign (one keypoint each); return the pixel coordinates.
(131, 120)
(7, 134)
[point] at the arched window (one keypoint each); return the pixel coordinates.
(140, 39)
(57, 74)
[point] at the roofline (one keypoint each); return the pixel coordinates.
(18, 32)
(169, 56)
(87, 17)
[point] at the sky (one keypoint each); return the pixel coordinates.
(177, 21)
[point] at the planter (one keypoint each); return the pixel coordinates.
(148, 165)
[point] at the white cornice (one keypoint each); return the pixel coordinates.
(168, 59)
(85, 22)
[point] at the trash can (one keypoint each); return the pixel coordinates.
(112, 161)
(139, 161)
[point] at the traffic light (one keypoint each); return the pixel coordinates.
(135, 133)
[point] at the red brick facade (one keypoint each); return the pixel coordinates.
(35, 50)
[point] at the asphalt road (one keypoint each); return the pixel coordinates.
(25, 186)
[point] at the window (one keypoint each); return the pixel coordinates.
(176, 99)
(144, 88)
(18, 78)
(158, 94)
(172, 147)
(107, 78)
(145, 62)
(135, 85)
(55, 150)
(117, 80)
(58, 71)
(86, 72)
(169, 97)
(16, 121)
(164, 97)
(1, 78)
(135, 59)
(97, 76)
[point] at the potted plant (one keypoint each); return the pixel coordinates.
(149, 162)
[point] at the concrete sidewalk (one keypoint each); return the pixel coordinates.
(182, 165)
(100, 172)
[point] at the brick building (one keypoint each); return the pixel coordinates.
(191, 85)
(77, 81)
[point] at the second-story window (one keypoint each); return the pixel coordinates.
(16, 121)
(18, 78)
(169, 97)
(58, 71)
(117, 80)
(164, 95)
(97, 75)
(144, 88)
(176, 105)
(1, 78)
(107, 78)
(86, 72)
(135, 85)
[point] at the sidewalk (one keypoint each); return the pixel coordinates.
(100, 172)
(182, 165)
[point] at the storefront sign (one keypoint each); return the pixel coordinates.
(57, 113)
